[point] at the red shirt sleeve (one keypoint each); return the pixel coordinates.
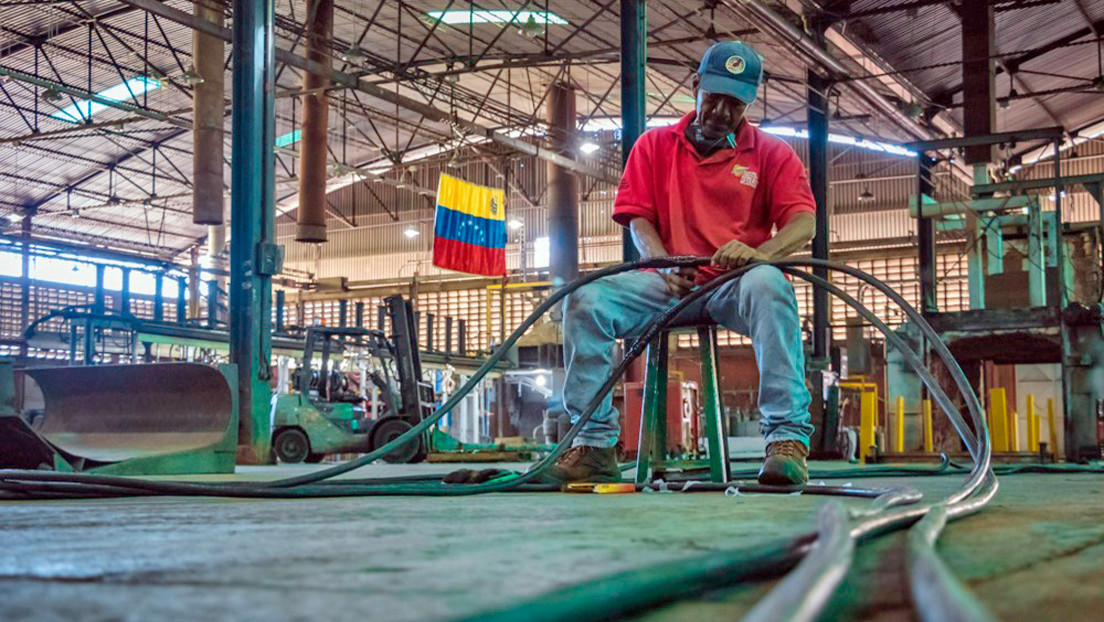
(789, 188)
(636, 192)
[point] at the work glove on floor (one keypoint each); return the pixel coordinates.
(471, 476)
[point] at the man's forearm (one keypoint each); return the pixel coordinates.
(646, 238)
(790, 238)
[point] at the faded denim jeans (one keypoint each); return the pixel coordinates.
(760, 304)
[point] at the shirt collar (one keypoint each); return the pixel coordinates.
(745, 134)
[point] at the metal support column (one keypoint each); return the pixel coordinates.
(1036, 257)
(193, 283)
(98, 300)
(634, 59)
(975, 254)
(563, 188)
(994, 246)
(25, 280)
(159, 297)
(252, 256)
(1060, 247)
(181, 303)
(124, 294)
(823, 441)
(448, 334)
(212, 303)
(925, 233)
(428, 341)
(817, 111)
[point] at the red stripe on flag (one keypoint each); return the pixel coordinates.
(463, 257)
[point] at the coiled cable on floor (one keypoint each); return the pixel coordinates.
(653, 586)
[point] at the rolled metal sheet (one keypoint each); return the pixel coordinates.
(111, 413)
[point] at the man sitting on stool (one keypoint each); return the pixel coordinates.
(709, 185)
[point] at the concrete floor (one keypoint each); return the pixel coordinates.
(1037, 553)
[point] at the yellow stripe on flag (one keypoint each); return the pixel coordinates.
(480, 201)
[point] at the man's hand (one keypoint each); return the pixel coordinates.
(679, 280)
(735, 254)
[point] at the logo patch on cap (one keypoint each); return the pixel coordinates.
(735, 64)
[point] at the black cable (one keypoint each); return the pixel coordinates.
(399, 485)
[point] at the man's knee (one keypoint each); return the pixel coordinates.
(765, 283)
(583, 303)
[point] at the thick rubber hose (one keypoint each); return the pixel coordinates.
(872, 525)
(806, 589)
(390, 489)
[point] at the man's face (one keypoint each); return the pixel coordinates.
(718, 114)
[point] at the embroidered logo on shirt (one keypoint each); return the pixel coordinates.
(750, 178)
(738, 171)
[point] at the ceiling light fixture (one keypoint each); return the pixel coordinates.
(411, 232)
(468, 17)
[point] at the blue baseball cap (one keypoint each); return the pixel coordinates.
(731, 68)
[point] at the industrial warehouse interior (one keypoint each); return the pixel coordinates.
(577, 310)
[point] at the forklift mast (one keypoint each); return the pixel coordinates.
(407, 361)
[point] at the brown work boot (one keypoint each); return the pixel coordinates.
(785, 464)
(584, 464)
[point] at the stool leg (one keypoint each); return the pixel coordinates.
(716, 438)
(652, 448)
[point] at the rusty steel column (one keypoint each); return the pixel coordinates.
(193, 282)
(208, 54)
(978, 78)
(563, 188)
(311, 219)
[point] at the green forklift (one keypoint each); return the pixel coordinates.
(330, 413)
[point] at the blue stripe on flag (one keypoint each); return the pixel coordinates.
(461, 227)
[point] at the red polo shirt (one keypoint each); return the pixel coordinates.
(699, 204)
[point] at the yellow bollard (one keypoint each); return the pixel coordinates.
(1053, 428)
(929, 442)
(1013, 431)
(998, 419)
(1038, 437)
(1032, 426)
(868, 418)
(899, 432)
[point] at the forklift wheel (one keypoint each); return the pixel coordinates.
(390, 428)
(291, 445)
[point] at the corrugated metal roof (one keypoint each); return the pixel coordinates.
(925, 45)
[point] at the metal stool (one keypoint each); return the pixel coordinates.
(652, 460)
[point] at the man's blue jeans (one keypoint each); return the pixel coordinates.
(760, 304)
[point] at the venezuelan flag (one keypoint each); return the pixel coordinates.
(469, 232)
